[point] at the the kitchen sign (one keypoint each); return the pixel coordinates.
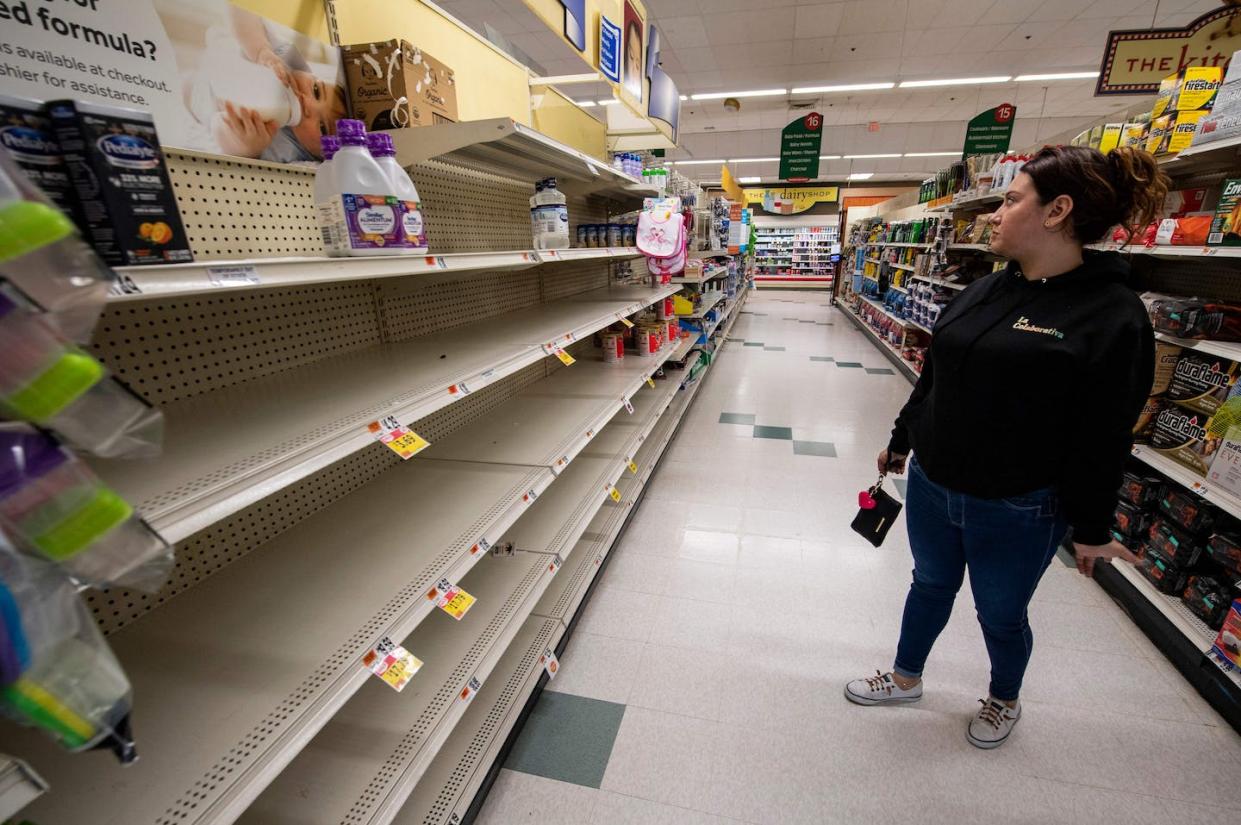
(1136, 60)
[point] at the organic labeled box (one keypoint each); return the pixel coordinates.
(393, 84)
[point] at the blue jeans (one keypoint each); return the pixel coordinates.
(1007, 545)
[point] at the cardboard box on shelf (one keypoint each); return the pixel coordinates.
(1184, 127)
(1111, 136)
(393, 84)
(1197, 87)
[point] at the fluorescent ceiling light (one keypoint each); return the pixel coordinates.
(684, 97)
(829, 157)
(608, 102)
(1021, 78)
(848, 87)
(585, 104)
(696, 162)
(754, 93)
(749, 180)
(957, 81)
(753, 160)
(861, 176)
(857, 157)
(930, 154)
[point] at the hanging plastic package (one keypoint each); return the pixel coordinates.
(57, 673)
(46, 380)
(52, 506)
(42, 255)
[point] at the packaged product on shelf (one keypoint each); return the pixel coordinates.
(1225, 472)
(1187, 230)
(1162, 572)
(69, 683)
(1196, 88)
(1130, 520)
(1134, 134)
(413, 230)
(1226, 227)
(1193, 317)
(362, 214)
(1224, 121)
(1225, 550)
(29, 136)
(1156, 136)
(1140, 490)
(1227, 647)
(44, 258)
(1111, 136)
(1209, 599)
(118, 171)
(1183, 436)
(1188, 511)
(1182, 129)
(613, 344)
(53, 506)
(549, 217)
(1174, 543)
(581, 235)
(48, 381)
(1202, 382)
(393, 84)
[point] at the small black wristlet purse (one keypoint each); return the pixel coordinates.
(876, 514)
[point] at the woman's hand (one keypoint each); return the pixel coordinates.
(1087, 553)
(891, 463)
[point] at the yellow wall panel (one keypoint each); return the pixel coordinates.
(561, 119)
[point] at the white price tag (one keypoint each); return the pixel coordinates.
(482, 547)
(530, 497)
(555, 564)
(628, 406)
(550, 663)
(471, 688)
(239, 275)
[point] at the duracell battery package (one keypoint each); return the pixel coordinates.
(1183, 435)
(1202, 382)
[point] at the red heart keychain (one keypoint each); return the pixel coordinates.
(865, 500)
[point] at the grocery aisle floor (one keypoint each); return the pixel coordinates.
(703, 684)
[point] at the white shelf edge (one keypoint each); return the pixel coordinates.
(939, 282)
(1227, 349)
(222, 276)
(888, 350)
(1166, 605)
(19, 786)
(1170, 251)
(1189, 479)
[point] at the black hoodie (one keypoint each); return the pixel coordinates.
(1034, 384)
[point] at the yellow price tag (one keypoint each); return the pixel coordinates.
(633, 467)
(452, 599)
(627, 322)
(615, 494)
(403, 441)
(650, 382)
(392, 663)
(565, 358)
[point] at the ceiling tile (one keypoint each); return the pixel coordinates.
(1051, 10)
(821, 20)
(1030, 35)
(683, 31)
(926, 14)
(817, 50)
(749, 27)
(865, 16)
(696, 60)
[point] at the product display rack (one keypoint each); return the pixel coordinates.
(795, 256)
(293, 562)
(891, 353)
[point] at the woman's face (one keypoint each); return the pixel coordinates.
(1022, 221)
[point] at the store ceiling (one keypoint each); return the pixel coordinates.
(739, 45)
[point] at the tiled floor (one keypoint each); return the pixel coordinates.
(738, 603)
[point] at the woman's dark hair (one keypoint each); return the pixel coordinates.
(1123, 187)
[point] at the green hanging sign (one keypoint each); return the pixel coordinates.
(800, 144)
(991, 131)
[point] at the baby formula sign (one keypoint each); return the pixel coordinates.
(215, 77)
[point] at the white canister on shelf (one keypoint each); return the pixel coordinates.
(613, 347)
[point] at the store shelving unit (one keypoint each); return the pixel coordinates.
(19, 786)
(708, 301)
(890, 352)
(213, 276)
(795, 256)
(939, 282)
(301, 542)
(709, 273)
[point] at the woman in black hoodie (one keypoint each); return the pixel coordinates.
(1022, 418)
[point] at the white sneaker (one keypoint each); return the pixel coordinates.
(880, 689)
(991, 727)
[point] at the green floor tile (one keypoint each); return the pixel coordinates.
(568, 738)
(783, 433)
(825, 358)
(879, 371)
(820, 448)
(774, 349)
(736, 418)
(753, 343)
(849, 364)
